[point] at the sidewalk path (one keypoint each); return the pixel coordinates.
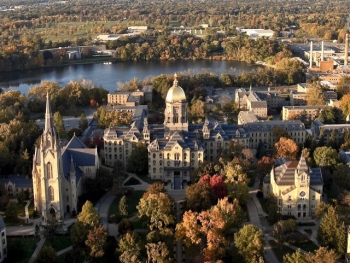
(38, 248)
(255, 211)
(102, 207)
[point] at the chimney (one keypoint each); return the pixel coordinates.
(346, 51)
(322, 52)
(311, 54)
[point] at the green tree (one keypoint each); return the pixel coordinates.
(46, 254)
(21, 197)
(249, 242)
(332, 231)
(159, 210)
(59, 124)
(11, 212)
(117, 188)
(325, 156)
(236, 181)
(138, 159)
(51, 227)
(123, 206)
(83, 122)
(129, 248)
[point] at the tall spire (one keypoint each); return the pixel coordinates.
(48, 116)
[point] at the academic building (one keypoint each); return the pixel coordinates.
(297, 187)
(175, 148)
(59, 171)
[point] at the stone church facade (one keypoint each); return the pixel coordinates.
(59, 171)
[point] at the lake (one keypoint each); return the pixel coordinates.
(108, 75)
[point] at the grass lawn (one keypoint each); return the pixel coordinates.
(20, 249)
(132, 202)
(59, 242)
(139, 224)
(308, 246)
(20, 209)
(132, 181)
(144, 177)
(31, 209)
(280, 251)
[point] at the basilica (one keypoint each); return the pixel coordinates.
(175, 148)
(59, 170)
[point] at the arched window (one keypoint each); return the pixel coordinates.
(49, 171)
(51, 194)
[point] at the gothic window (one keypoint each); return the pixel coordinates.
(49, 171)
(154, 170)
(219, 145)
(199, 155)
(160, 155)
(120, 149)
(161, 170)
(177, 156)
(154, 155)
(160, 163)
(168, 156)
(185, 155)
(51, 194)
(154, 162)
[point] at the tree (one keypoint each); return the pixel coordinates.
(11, 212)
(83, 122)
(51, 227)
(265, 165)
(343, 86)
(197, 111)
(138, 160)
(46, 254)
(314, 95)
(59, 124)
(155, 188)
(296, 257)
(286, 148)
(216, 182)
(96, 241)
(125, 226)
(159, 210)
(117, 188)
(104, 178)
(236, 181)
(123, 206)
(279, 132)
(249, 242)
(322, 255)
(157, 253)
(88, 215)
(208, 228)
(129, 248)
(344, 104)
(199, 197)
(283, 228)
(21, 197)
(332, 232)
(325, 156)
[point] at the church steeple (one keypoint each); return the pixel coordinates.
(49, 127)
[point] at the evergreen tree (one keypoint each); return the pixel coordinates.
(138, 160)
(123, 206)
(46, 254)
(83, 122)
(59, 124)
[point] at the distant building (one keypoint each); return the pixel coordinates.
(260, 132)
(14, 184)
(324, 132)
(297, 188)
(130, 98)
(249, 100)
(310, 112)
(245, 117)
(3, 240)
(257, 33)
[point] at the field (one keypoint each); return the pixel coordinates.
(20, 249)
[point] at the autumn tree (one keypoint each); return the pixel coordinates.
(279, 132)
(158, 253)
(208, 229)
(96, 241)
(332, 231)
(325, 156)
(321, 255)
(216, 182)
(197, 111)
(283, 228)
(199, 197)
(286, 148)
(249, 242)
(344, 104)
(129, 248)
(265, 165)
(236, 181)
(314, 95)
(155, 188)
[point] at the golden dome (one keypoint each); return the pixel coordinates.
(175, 93)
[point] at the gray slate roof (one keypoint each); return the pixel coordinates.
(21, 181)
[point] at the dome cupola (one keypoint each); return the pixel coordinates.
(175, 93)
